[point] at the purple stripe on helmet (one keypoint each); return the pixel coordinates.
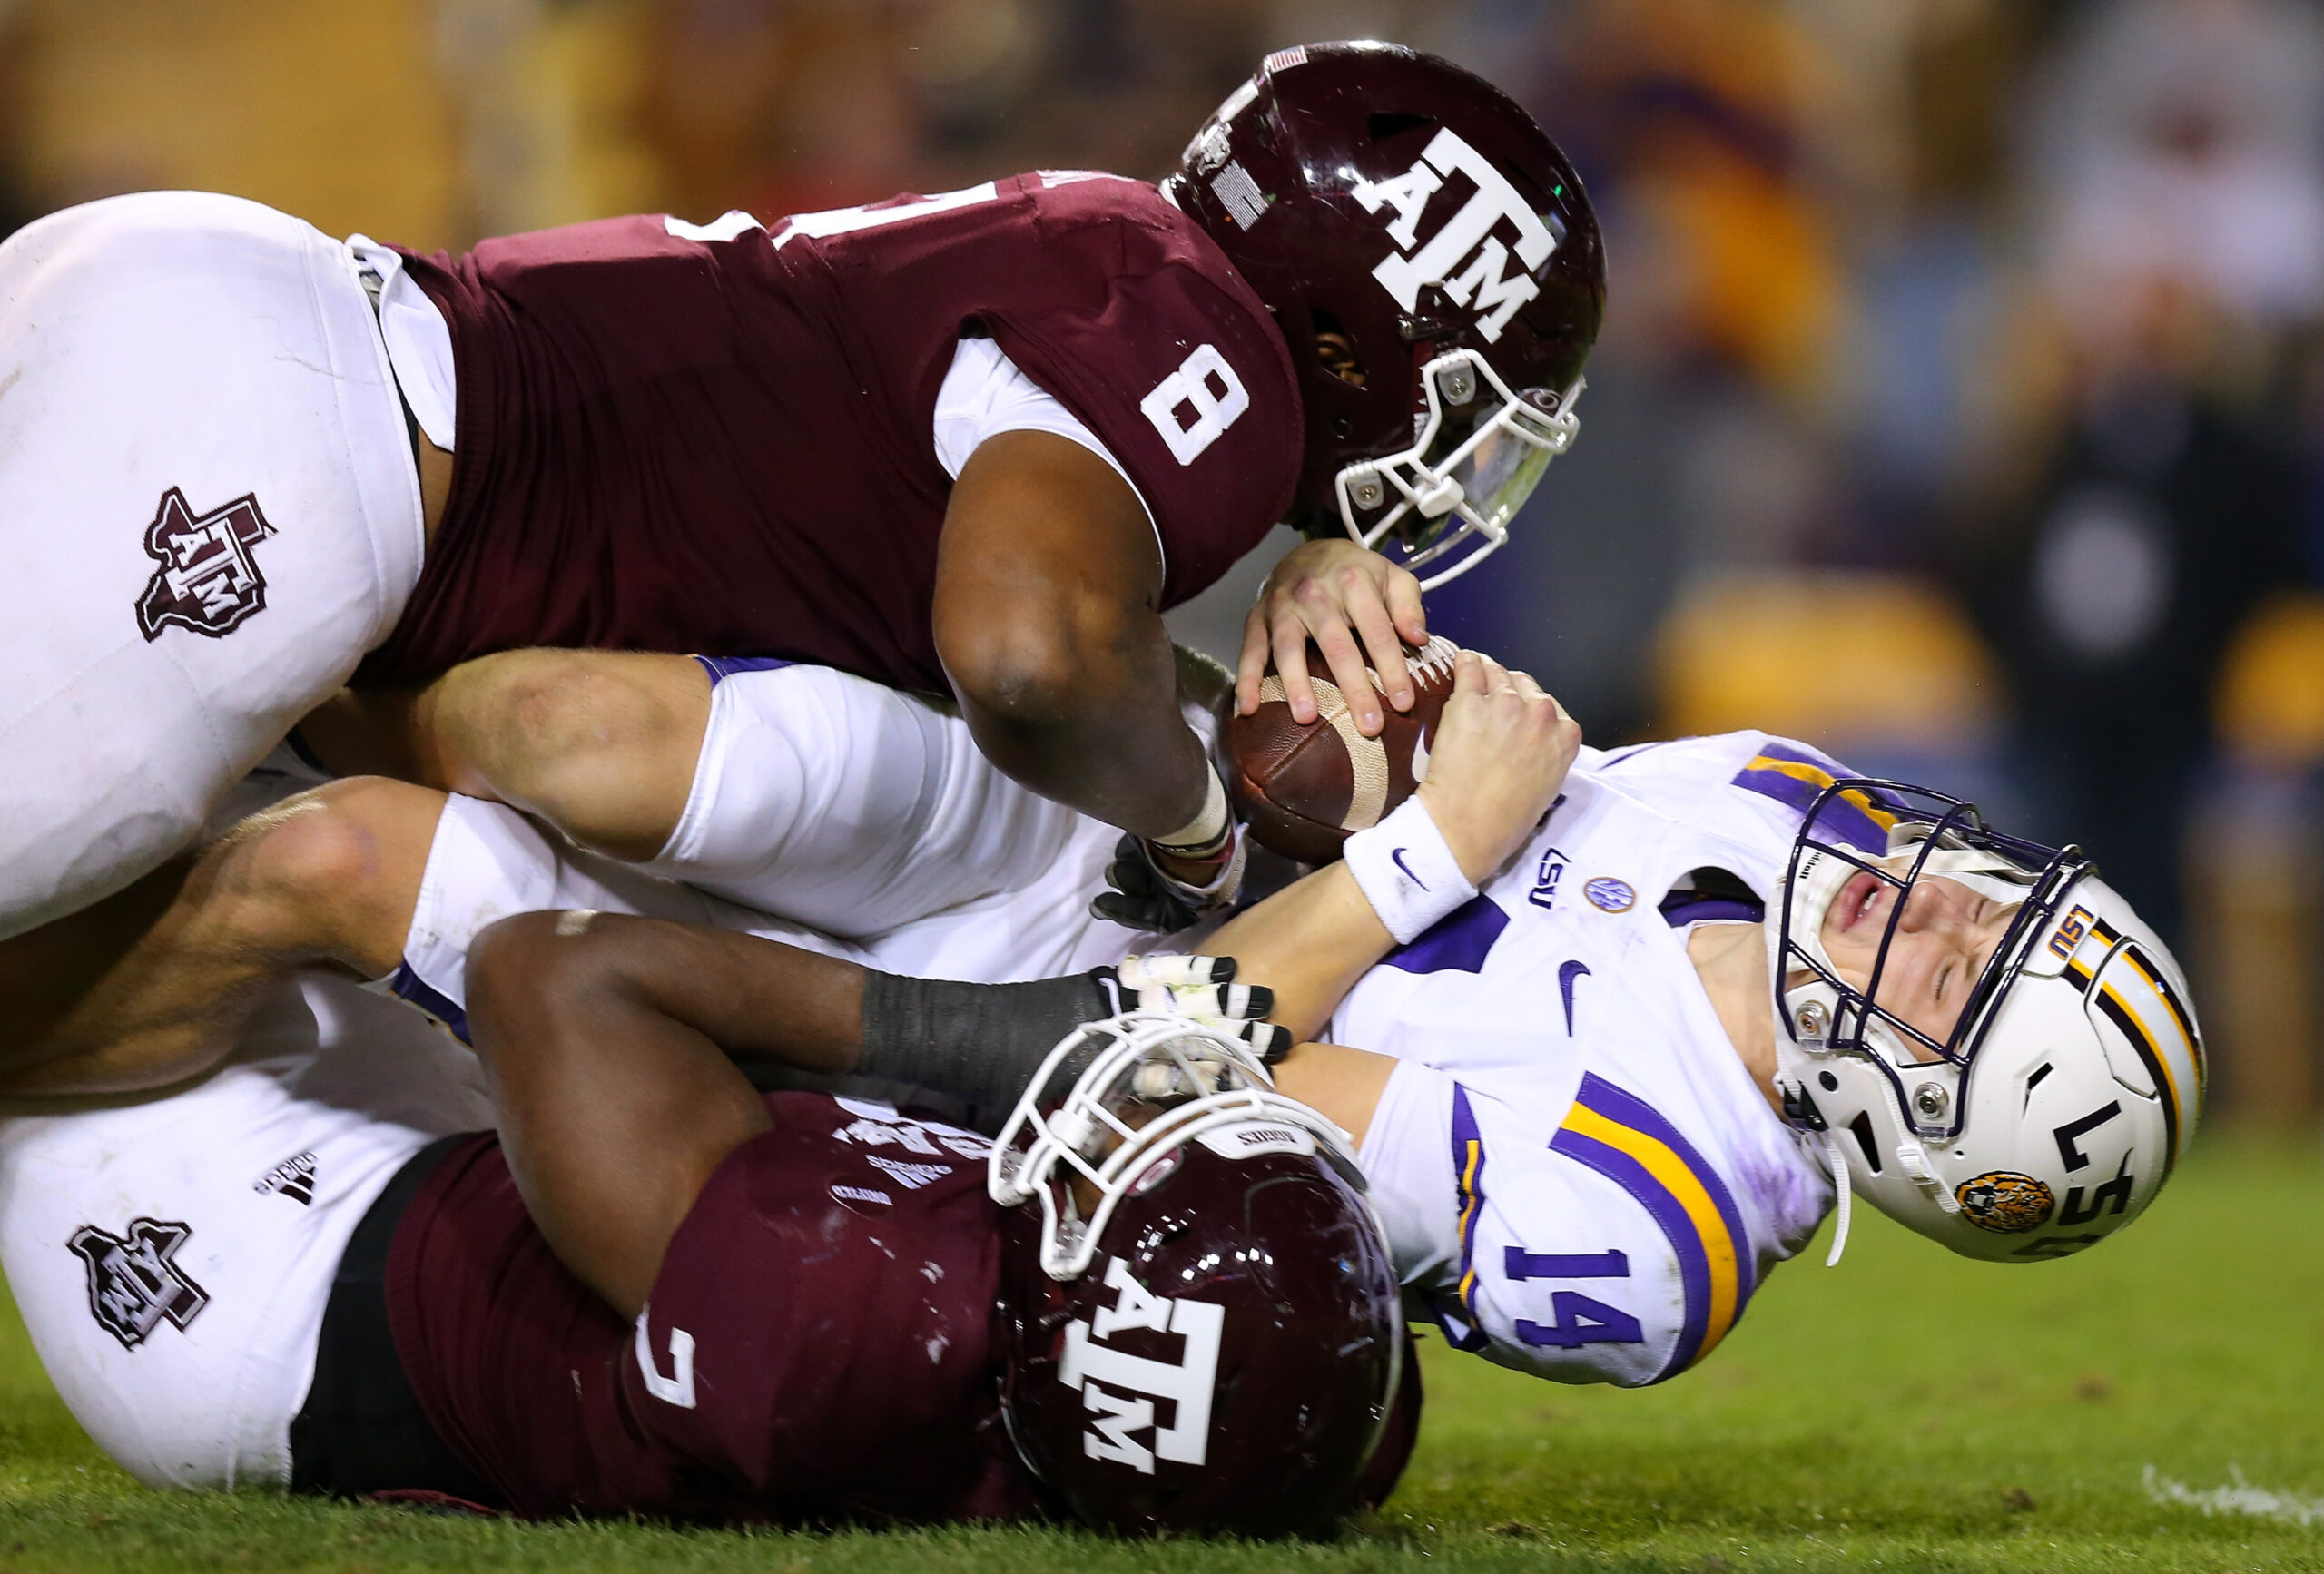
(1457, 942)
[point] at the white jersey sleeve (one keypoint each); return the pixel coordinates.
(1613, 1253)
(985, 394)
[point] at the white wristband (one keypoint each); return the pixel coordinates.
(1407, 873)
(1207, 829)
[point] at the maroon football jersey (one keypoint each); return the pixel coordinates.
(817, 1344)
(720, 440)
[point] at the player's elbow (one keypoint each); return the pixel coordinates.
(1046, 665)
(523, 973)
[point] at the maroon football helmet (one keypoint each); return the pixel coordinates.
(1408, 218)
(1217, 1344)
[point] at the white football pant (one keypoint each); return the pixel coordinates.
(210, 512)
(171, 1257)
(833, 801)
(827, 812)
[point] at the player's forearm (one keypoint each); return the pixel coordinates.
(1309, 944)
(613, 1111)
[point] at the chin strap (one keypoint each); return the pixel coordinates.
(1838, 1157)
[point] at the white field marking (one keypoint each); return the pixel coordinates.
(2241, 1498)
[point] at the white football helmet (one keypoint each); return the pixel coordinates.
(2066, 1091)
(1157, 1082)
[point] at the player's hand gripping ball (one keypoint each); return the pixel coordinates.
(1304, 790)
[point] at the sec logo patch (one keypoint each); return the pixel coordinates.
(1608, 894)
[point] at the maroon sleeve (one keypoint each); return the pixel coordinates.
(817, 1344)
(721, 439)
(1176, 365)
(821, 1328)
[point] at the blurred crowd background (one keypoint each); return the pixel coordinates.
(1959, 409)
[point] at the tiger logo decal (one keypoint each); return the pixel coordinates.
(2004, 1201)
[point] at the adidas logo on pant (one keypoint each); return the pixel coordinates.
(294, 1177)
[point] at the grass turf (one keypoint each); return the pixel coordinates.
(1907, 1411)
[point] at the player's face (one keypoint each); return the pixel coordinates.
(1943, 941)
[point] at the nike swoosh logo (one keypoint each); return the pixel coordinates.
(1566, 973)
(1397, 858)
(1419, 758)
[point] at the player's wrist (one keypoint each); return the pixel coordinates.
(1208, 836)
(1408, 871)
(1475, 849)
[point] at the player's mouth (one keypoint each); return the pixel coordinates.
(1858, 900)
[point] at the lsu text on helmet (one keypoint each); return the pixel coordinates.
(1433, 263)
(1216, 1344)
(2052, 1111)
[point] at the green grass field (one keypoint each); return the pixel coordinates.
(1906, 1412)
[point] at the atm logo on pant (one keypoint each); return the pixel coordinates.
(134, 1284)
(208, 580)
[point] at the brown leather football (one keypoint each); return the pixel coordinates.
(1304, 790)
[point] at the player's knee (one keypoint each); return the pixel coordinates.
(549, 706)
(303, 869)
(530, 970)
(581, 736)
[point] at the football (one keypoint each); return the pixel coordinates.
(1304, 790)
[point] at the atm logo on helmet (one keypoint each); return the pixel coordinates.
(1467, 237)
(1120, 1390)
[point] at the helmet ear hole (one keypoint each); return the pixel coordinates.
(1861, 1129)
(1335, 350)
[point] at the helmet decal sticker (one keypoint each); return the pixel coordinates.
(2070, 929)
(2069, 1136)
(1468, 231)
(1239, 194)
(1124, 1406)
(2004, 1201)
(2114, 1197)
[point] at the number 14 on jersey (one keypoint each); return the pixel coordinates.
(1581, 1319)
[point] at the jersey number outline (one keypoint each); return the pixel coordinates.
(1190, 385)
(1581, 1319)
(847, 221)
(678, 1387)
